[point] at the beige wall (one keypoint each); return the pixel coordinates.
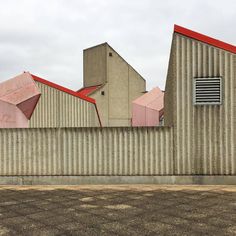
(118, 83)
(102, 104)
(122, 85)
(137, 87)
(86, 151)
(59, 109)
(204, 136)
(94, 64)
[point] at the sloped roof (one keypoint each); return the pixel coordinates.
(205, 39)
(152, 99)
(69, 91)
(63, 89)
(86, 91)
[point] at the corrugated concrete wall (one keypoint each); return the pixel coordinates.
(59, 109)
(204, 136)
(86, 151)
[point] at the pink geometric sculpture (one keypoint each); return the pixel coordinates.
(147, 109)
(18, 99)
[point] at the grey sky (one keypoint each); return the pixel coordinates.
(47, 38)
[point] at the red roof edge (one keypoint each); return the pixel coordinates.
(205, 39)
(87, 90)
(63, 89)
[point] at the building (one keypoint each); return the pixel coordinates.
(110, 85)
(62, 107)
(200, 100)
(147, 110)
(18, 98)
(112, 82)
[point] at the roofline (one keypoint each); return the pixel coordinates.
(98, 88)
(63, 89)
(98, 45)
(108, 45)
(125, 61)
(205, 39)
(88, 87)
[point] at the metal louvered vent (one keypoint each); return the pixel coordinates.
(207, 91)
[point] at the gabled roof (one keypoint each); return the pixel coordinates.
(86, 91)
(63, 89)
(205, 39)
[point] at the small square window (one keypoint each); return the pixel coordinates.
(207, 91)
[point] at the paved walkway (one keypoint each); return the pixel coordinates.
(118, 210)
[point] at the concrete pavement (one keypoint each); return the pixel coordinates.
(118, 210)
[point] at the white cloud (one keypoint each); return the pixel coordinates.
(47, 37)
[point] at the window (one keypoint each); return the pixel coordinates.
(207, 91)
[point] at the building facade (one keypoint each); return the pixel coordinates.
(62, 107)
(113, 83)
(200, 98)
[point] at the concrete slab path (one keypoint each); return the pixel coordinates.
(118, 210)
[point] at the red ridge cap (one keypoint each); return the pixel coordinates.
(205, 39)
(63, 89)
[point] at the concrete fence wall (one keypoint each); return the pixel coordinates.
(86, 151)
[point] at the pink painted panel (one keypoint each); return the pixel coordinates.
(18, 99)
(152, 117)
(157, 103)
(18, 89)
(11, 116)
(148, 97)
(146, 109)
(28, 106)
(138, 115)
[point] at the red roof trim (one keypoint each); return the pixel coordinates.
(63, 89)
(205, 39)
(87, 90)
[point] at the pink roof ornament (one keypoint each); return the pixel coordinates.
(18, 99)
(148, 109)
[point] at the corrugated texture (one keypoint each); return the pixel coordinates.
(204, 135)
(86, 151)
(59, 109)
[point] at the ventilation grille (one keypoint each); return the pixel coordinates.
(207, 91)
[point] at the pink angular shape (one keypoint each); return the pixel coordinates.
(28, 106)
(18, 99)
(11, 116)
(146, 110)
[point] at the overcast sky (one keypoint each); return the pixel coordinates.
(47, 38)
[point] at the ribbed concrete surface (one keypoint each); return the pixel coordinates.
(204, 135)
(86, 151)
(59, 109)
